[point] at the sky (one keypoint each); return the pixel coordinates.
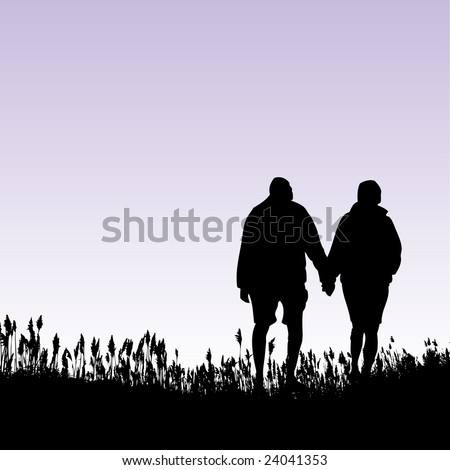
(156, 106)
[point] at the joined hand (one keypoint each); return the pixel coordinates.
(328, 288)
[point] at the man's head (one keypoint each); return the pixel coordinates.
(369, 193)
(280, 190)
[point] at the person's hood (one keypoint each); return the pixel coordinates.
(362, 210)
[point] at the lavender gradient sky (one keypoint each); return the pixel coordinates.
(198, 104)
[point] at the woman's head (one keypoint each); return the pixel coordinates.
(369, 193)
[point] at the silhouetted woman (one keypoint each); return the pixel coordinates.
(366, 253)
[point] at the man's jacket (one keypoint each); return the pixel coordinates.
(275, 240)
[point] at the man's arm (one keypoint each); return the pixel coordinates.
(316, 253)
(336, 255)
(250, 236)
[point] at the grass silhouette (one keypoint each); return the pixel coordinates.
(147, 364)
(135, 385)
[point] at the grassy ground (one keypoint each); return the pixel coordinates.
(132, 398)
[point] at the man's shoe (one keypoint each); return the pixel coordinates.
(294, 387)
(355, 375)
(365, 373)
(258, 389)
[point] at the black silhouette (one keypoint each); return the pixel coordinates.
(271, 269)
(366, 252)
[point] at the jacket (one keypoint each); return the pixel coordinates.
(275, 239)
(366, 246)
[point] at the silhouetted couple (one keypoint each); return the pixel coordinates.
(272, 268)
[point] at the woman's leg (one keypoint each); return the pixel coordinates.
(355, 306)
(377, 302)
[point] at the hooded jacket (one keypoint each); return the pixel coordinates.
(366, 247)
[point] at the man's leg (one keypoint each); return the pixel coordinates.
(294, 304)
(356, 342)
(264, 306)
(259, 350)
(370, 348)
(295, 338)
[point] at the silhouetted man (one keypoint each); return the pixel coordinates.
(271, 269)
(366, 252)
